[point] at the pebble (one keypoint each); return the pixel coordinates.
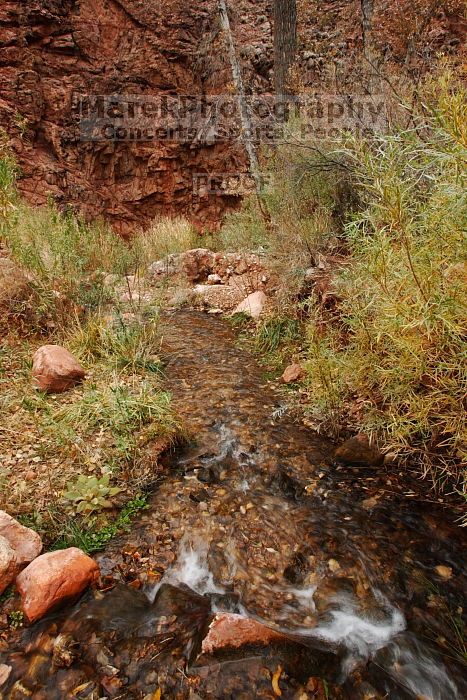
(444, 571)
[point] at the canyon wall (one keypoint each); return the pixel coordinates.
(55, 52)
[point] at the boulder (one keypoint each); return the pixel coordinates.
(164, 268)
(359, 451)
(54, 578)
(8, 564)
(26, 543)
(253, 305)
(228, 630)
(55, 369)
(293, 373)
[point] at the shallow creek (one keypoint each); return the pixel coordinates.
(253, 517)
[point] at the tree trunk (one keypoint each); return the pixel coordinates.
(285, 42)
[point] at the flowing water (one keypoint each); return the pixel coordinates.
(253, 517)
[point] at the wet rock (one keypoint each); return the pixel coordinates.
(4, 673)
(293, 373)
(334, 565)
(8, 564)
(55, 369)
(199, 496)
(253, 305)
(54, 578)
(359, 451)
(296, 571)
(231, 631)
(208, 475)
(26, 543)
(287, 485)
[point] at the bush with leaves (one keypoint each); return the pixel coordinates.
(398, 348)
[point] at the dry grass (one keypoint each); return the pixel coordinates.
(70, 283)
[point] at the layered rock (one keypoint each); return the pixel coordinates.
(53, 53)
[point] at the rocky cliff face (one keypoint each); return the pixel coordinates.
(55, 52)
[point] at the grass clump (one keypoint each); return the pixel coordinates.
(165, 237)
(276, 339)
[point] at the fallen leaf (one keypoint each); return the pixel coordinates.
(275, 681)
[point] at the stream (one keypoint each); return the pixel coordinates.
(254, 517)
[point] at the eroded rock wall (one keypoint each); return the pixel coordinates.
(52, 52)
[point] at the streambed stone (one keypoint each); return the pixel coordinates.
(229, 630)
(53, 579)
(360, 451)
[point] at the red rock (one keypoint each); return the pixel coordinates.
(129, 182)
(228, 630)
(55, 369)
(26, 543)
(54, 578)
(293, 373)
(197, 264)
(8, 564)
(359, 451)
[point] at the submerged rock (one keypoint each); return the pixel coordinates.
(228, 630)
(54, 578)
(8, 564)
(55, 369)
(358, 450)
(25, 542)
(253, 305)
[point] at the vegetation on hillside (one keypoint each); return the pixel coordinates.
(381, 222)
(69, 460)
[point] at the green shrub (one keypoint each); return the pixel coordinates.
(398, 348)
(89, 494)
